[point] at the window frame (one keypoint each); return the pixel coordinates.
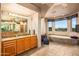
(50, 20)
(72, 25)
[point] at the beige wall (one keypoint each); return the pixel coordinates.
(29, 24)
(36, 25)
(43, 26)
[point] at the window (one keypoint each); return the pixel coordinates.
(74, 23)
(61, 25)
(50, 24)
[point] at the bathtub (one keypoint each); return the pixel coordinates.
(63, 39)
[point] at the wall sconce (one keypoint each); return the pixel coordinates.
(21, 23)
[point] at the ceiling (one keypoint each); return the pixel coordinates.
(47, 10)
(43, 7)
(54, 10)
(40, 5)
(17, 9)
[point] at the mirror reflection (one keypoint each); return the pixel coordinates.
(13, 24)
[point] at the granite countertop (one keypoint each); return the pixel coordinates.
(17, 37)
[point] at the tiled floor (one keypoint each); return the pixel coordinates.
(55, 49)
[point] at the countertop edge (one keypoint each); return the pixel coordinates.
(15, 38)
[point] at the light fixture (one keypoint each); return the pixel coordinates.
(21, 23)
(24, 23)
(12, 14)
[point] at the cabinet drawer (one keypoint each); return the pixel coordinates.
(9, 51)
(8, 43)
(9, 48)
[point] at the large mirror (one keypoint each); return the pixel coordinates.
(12, 24)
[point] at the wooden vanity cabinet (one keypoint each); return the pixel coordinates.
(27, 43)
(20, 45)
(33, 41)
(17, 46)
(9, 48)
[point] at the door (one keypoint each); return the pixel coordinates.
(27, 43)
(33, 41)
(20, 46)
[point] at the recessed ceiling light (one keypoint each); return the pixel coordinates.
(17, 15)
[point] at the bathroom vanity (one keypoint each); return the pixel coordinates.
(17, 45)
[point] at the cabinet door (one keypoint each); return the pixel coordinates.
(9, 48)
(9, 51)
(27, 43)
(20, 46)
(33, 41)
